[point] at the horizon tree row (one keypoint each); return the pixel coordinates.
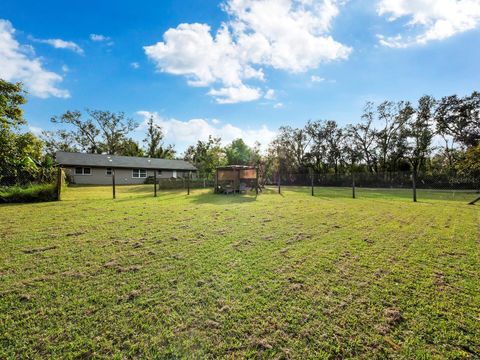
(436, 136)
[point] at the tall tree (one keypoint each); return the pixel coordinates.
(364, 135)
(419, 131)
(101, 132)
(390, 114)
(12, 96)
(114, 128)
(291, 145)
(84, 132)
(154, 142)
(460, 118)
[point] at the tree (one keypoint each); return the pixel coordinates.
(101, 132)
(85, 132)
(239, 153)
(419, 131)
(20, 155)
(114, 128)
(364, 135)
(130, 147)
(60, 140)
(317, 154)
(12, 96)
(154, 142)
(460, 118)
(391, 114)
(469, 165)
(206, 155)
(291, 147)
(333, 138)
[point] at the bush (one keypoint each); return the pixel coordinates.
(32, 193)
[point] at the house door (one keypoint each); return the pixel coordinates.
(174, 174)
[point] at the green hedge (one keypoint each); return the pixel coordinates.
(32, 193)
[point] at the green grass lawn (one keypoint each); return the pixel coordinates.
(208, 276)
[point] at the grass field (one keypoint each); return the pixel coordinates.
(208, 276)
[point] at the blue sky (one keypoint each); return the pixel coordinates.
(236, 68)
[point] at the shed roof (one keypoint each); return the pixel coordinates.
(101, 160)
(235, 167)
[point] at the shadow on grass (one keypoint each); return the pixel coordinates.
(222, 199)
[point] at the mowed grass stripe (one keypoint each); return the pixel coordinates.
(206, 275)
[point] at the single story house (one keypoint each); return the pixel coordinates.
(97, 169)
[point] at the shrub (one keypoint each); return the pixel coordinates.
(31, 193)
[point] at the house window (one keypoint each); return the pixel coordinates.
(139, 173)
(83, 171)
(108, 171)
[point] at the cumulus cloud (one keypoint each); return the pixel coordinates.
(135, 65)
(290, 35)
(18, 63)
(61, 44)
(428, 20)
(184, 133)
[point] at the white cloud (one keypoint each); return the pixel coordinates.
(184, 133)
(278, 105)
(270, 94)
(37, 131)
(61, 44)
(99, 37)
(65, 68)
(232, 95)
(290, 35)
(18, 63)
(428, 20)
(316, 79)
(135, 65)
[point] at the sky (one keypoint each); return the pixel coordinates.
(235, 68)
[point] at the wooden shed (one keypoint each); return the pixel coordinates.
(236, 179)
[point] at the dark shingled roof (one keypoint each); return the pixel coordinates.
(100, 160)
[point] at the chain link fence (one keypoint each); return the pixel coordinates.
(398, 184)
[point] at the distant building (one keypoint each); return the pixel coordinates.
(97, 169)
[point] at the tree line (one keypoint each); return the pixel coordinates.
(432, 135)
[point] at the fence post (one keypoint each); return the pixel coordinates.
(311, 181)
(155, 183)
(188, 184)
(59, 183)
(256, 180)
(414, 185)
(279, 177)
(353, 185)
(113, 182)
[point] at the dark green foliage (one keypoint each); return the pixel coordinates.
(29, 194)
(12, 96)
